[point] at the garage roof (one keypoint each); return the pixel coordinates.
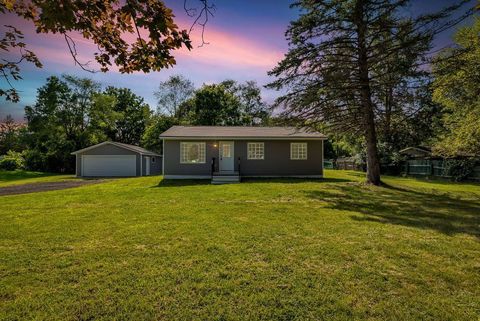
(240, 132)
(132, 148)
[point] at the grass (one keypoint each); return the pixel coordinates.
(17, 177)
(149, 249)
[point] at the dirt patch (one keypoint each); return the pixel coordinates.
(43, 187)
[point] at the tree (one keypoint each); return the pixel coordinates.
(253, 109)
(109, 25)
(52, 136)
(457, 89)
(135, 114)
(212, 105)
(10, 132)
(103, 117)
(157, 125)
(337, 48)
(10, 69)
(172, 92)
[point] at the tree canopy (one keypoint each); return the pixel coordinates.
(172, 92)
(457, 89)
(227, 103)
(134, 35)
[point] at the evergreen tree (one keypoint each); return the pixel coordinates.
(340, 55)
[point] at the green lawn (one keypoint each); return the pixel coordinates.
(17, 177)
(147, 249)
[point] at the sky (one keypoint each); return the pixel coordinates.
(245, 40)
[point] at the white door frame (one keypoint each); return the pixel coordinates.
(228, 164)
(147, 165)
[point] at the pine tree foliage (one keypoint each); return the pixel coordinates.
(350, 61)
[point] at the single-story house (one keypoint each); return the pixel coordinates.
(112, 159)
(231, 152)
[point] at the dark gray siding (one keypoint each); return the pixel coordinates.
(155, 167)
(106, 149)
(171, 152)
(277, 160)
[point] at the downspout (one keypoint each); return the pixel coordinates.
(163, 157)
(141, 164)
(323, 157)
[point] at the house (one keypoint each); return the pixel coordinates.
(226, 153)
(419, 152)
(110, 159)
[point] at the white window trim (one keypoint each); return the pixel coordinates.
(193, 163)
(263, 150)
(297, 158)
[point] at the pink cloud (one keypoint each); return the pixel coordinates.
(226, 49)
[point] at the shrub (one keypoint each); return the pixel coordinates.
(458, 169)
(34, 160)
(12, 161)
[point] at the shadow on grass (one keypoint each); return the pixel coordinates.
(292, 180)
(182, 182)
(193, 182)
(400, 206)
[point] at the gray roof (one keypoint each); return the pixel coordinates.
(240, 132)
(133, 148)
(138, 149)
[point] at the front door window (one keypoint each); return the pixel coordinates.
(226, 156)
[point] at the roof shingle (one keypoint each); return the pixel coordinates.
(239, 132)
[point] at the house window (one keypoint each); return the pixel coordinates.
(298, 151)
(192, 153)
(153, 159)
(255, 151)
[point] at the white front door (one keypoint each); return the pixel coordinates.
(226, 157)
(147, 166)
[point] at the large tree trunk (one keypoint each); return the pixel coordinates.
(373, 164)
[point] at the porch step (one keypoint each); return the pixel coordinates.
(225, 178)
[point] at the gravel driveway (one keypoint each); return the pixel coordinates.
(42, 187)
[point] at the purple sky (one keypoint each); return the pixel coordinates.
(246, 39)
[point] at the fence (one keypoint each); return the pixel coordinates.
(434, 168)
(328, 163)
(348, 163)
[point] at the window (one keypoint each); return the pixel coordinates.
(192, 153)
(226, 150)
(298, 151)
(153, 159)
(255, 151)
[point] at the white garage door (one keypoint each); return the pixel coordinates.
(109, 165)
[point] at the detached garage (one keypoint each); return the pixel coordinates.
(111, 159)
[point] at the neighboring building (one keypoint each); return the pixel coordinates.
(416, 152)
(226, 153)
(111, 159)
